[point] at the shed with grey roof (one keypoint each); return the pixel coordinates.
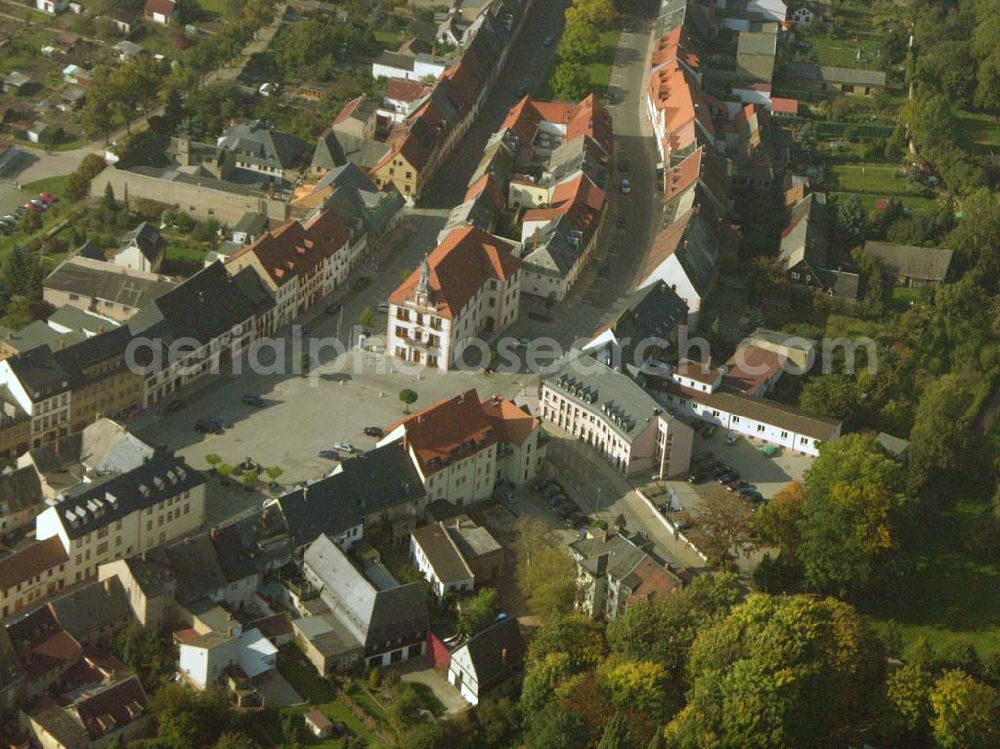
(910, 265)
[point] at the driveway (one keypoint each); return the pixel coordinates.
(417, 671)
(30, 165)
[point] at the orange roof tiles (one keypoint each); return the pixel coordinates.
(666, 243)
(672, 94)
(512, 424)
(702, 372)
(348, 109)
(655, 581)
(399, 89)
(451, 428)
(30, 561)
(465, 260)
(784, 106)
(679, 178)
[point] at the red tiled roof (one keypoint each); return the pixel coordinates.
(512, 424)
(666, 243)
(674, 46)
(348, 109)
(784, 106)
(466, 259)
(655, 581)
(682, 176)
(400, 89)
(702, 372)
(30, 561)
(586, 119)
(451, 428)
(672, 95)
(163, 7)
(751, 367)
(293, 249)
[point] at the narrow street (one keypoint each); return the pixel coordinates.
(527, 66)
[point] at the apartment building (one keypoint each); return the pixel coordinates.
(461, 446)
(467, 288)
(35, 572)
(610, 412)
(110, 519)
(102, 288)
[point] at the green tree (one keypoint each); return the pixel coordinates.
(965, 713)
(76, 188)
(777, 522)
(836, 395)
(570, 81)
(724, 521)
(663, 628)
(477, 613)
(657, 742)
(554, 727)
(408, 398)
(404, 711)
(639, 685)
(987, 94)
(274, 473)
(366, 318)
(498, 723)
(851, 220)
(853, 503)
(213, 460)
(940, 430)
(235, 740)
(110, 204)
(546, 574)
(908, 689)
(615, 733)
(580, 42)
(579, 636)
(782, 671)
(544, 675)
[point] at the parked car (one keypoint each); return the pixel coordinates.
(727, 477)
(697, 478)
(347, 447)
(174, 405)
(708, 431)
(359, 283)
(47, 198)
(751, 493)
(737, 485)
(329, 454)
(623, 165)
(19, 210)
(378, 432)
(732, 438)
(625, 185)
(540, 485)
(382, 307)
(548, 41)
(505, 494)
(551, 489)
(37, 202)
(253, 400)
(203, 426)
(604, 271)
(333, 309)
(10, 219)
(33, 208)
(219, 422)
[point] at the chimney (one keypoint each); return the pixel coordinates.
(211, 534)
(305, 493)
(503, 656)
(108, 582)
(606, 535)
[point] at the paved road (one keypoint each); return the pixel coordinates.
(526, 67)
(592, 299)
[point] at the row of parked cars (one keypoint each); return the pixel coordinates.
(707, 467)
(560, 503)
(40, 204)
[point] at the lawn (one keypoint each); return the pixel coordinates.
(842, 52)
(600, 69)
(322, 695)
(981, 129)
(868, 178)
(948, 596)
(909, 202)
(54, 185)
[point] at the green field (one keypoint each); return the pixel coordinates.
(981, 129)
(949, 596)
(867, 178)
(842, 52)
(910, 203)
(600, 69)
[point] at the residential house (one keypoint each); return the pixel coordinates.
(466, 288)
(217, 315)
(124, 514)
(440, 562)
(753, 371)
(94, 715)
(207, 659)
(31, 574)
(490, 663)
(258, 147)
(150, 586)
(833, 80)
(14, 82)
(755, 53)
(799, 352)
(102, 288)
(609, 411)
(644, 330)
(805, 247)
(141, 249)
(160, 11)
(381, 621)
(421, 67)
(52, 7)
(45, 651)
(93, 613)
(615, 571)
(461, 446)
(480, 550)
(21, 498)
(401, 99)
(378, 491)
(128, 51)
(909, 265)
(358, 118)
(248, 228)
(767, 10)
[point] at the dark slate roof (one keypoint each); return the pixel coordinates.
(146, 237)
(196, 568)
(85, 611)
(106, 283)
(96, 504)
(376, 481)
(39, 373)
(205, 306)
(234, 558)
(19, 490)
(259, 143)
(497, 653)
(922, 263)
(91, 251)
